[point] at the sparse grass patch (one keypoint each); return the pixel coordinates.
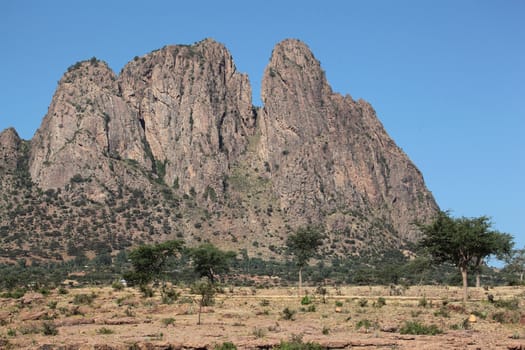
(225, 346)
(258, 332)
(506, 316)
(168, 321)
(362, 302)
(49, 328)
(105, 330)
(84, 299)
(417, 328)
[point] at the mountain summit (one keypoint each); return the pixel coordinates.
(173, 147)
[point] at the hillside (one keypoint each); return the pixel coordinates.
(172, 147)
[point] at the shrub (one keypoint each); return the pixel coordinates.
(294, 345)
(506, 317)
(84, 299)
(366, 324)
(168, 321)
(117, 285)
(105, 330)
(414, 327)
(422, 302)
(338, 303)
(511, 304)
(225, 346)
(362, 302)
(49, 328)
(306, 300)
(288, 314)
(169, 295)
(147, 291)
(265, 302)
(380, 302)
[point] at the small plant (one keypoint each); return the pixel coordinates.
(169, 295)
(49, 328)
(443, 312)
(11, 332)
(168, 321)
(225, 346)
(323, 292)
(52, 304)
(265, 302)
(339, 303)
(117, 285)
(423, 302)
(366, 324)
(105, 330)
(147, 291)
(326, 330)
(380, 302)
(288, 314)
(362, 302)
(258, 332)
(415, 313)
(129, 312)
(62, 291)
(306, 300)
(417, 328)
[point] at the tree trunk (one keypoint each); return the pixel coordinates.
(478, 279)
(521, 276)
(463, 270)
(200, 310)
(300, 280)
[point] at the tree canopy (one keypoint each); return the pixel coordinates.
(303, 244)
(208, 260)
(464, 242)
(148, 260)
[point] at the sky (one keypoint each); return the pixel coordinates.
(446, 78)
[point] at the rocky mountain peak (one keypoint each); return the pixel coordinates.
(172, 146)
(9, 149)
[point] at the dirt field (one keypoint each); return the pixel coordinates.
(104, 318)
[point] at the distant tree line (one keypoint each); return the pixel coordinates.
(436, 262)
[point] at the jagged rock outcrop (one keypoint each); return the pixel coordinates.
(87, 124)
(196, 110)
(10, 144)
(330, 152)
(172, 147)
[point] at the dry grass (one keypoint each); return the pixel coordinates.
(91, 317)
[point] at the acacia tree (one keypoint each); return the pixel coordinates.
(303, 244)
(149, 260)
(516, 263)
(464, 242)
(208, 260)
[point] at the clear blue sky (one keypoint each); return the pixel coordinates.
(447, 78)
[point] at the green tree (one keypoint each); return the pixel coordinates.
(208, 260)
(515, 263)
(464, 242)
(303, 244)
(206, 290)
(149, 260)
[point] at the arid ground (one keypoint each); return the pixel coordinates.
(349, 318)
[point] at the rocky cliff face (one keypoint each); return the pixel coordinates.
(330, 152)
(196, 111)
(176, 131)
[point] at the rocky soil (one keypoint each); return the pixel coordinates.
(350, 317)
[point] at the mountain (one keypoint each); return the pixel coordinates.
(172, 147)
